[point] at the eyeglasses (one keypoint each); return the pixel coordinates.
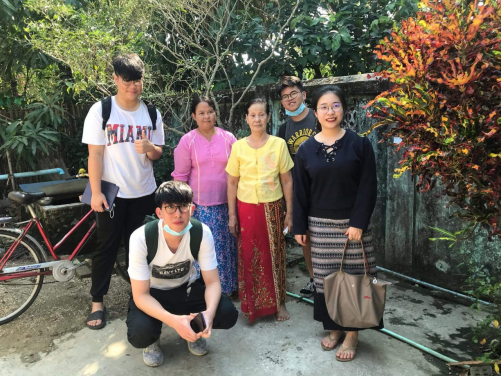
(171, 209)
(335, 107)
(132, 82)
(292, 95)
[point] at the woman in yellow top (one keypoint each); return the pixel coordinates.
(259, 171)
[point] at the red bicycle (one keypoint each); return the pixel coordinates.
(24, 262)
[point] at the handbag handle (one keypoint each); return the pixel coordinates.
(363, 251)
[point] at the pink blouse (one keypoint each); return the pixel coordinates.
(202, 165)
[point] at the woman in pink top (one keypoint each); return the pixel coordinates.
(200, 159)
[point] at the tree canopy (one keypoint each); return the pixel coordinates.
(188, 45)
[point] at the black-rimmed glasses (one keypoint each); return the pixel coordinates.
(132, 82)
(171, 209)
(291, 95)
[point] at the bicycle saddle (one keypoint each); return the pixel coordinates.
(25, 198)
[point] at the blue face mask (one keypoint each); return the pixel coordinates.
(180, 233)
(297, 112)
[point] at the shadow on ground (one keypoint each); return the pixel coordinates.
(50, 338)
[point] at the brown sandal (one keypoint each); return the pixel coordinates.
(347, 348)
(335, 340)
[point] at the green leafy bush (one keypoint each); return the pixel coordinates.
(36, 133)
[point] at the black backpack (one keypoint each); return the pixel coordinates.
(106, 112)
(151, 235)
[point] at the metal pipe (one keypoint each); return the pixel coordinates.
(33, 173)
(418, 346)
(299, 297)
(459, 295)
(394, 335)
(9, 162)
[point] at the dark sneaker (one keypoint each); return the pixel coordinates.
(152, 355)
(308, 290)
(199, 347)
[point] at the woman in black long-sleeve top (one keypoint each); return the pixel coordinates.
(335, 191)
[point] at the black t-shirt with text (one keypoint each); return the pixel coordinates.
(296, 132)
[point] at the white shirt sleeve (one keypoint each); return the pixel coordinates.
(93, 133)
(207, 254)
(138, 263)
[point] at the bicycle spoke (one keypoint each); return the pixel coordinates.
(17, 294)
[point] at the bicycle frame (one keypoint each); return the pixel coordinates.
(27, 270)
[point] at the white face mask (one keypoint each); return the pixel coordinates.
(180, 233)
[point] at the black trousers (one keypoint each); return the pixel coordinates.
(128, 215)
(143, 330)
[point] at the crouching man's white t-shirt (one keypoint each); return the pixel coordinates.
(169, 270)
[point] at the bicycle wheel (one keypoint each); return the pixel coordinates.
(120, 265)
(16, 295)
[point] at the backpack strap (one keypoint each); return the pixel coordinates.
(152, 111)
(281, 131)
(196, 233)
(151, 236)
(105, 110)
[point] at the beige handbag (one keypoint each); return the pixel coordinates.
(355, 301)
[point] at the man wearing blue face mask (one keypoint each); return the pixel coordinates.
(300, 126)
(165, 288)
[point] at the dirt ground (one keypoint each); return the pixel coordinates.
(60, 308)
(50, 332)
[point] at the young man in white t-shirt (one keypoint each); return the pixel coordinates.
(123, 154)
(167, 290)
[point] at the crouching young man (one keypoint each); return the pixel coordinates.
(164, 284)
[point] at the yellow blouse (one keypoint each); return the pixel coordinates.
(259, 169)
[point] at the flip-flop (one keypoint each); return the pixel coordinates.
(347, 348)
(98, 315)
(328, 348)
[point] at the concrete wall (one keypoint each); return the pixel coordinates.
(402, 216)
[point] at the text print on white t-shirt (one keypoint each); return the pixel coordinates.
(171, 271)
(113, 132)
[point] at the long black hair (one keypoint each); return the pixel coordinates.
(325, 90)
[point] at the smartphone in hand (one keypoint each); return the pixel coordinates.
(198, 323)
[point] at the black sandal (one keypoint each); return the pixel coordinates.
(98, 315)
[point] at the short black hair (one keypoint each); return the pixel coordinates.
(257, 101)
(324, 90)
(288, 81)
(173, 192)
(197, 99)
(128, 66)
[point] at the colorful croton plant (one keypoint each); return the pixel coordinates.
(444, 102)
